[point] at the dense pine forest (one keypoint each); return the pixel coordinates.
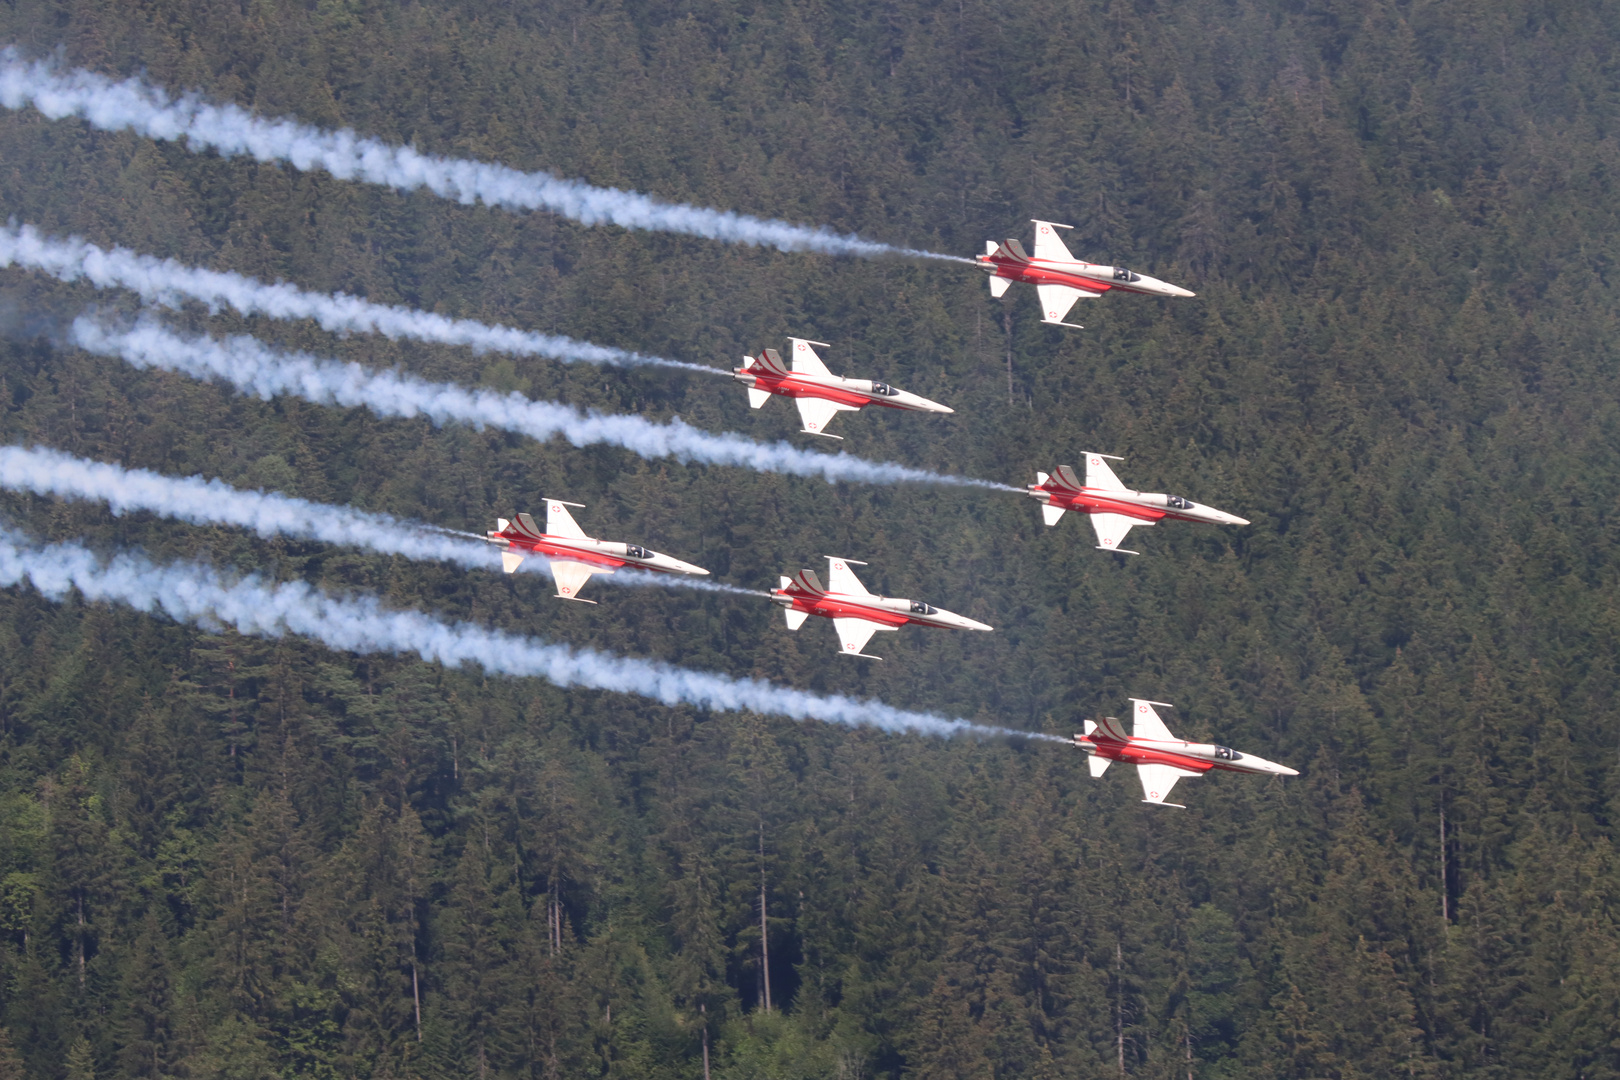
(230, 856)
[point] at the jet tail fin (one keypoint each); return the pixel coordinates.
(524, 526)
(1111, 729)
(757, 398)
(795, 619)
(1052, 514)
(1063, 477)
(769, 360)
(806, 580)
(999, 286)
(1099, 765)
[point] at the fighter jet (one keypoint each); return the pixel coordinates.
(857, 613)
(819, 393)
(1059, 277)
(1160, 758)
(1113, 507)
(573, 556)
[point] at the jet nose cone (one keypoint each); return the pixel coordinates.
(973, 625)
(1177, 290)
(1286, 771)
(919, 403)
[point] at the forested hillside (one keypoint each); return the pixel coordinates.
(224, 856)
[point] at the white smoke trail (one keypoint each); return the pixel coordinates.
(214, 502)
(170, 283)
(269, 514)
(231, 130)
(199, 595)
(255, 368)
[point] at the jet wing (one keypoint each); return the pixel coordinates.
(1056, 300)
(1111, 530)
(1047, 243)
(1099, 475)
(1148, 723)
(841, 579)
(805, 360)
(855, 633)
(571, 577)
(559, 522)
(814, 413)
(1157, 780)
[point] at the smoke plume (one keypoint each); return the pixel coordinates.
(230, 130)
(199, 595)
(255, 368)
(170, 283)
(269, 514)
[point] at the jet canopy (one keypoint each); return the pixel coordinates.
(885, 389)
(1178, 502)
(920, 608)
(1226, 753)
(636, 552)
(1122, 274)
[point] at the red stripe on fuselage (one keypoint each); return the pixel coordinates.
(1136, 754)
(829, 606)
(1097, 504)
(1036, 273)
(563, 551)
(788, 386)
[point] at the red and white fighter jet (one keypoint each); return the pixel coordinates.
(1115, 508)
(819, 394)
(1059, 277)
(1160, 758)
(856, 613)
(573, 556)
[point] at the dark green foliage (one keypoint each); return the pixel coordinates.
(248, 859)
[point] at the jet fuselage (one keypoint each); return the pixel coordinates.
(1147, 506)
(884, 610)
(1009, 262)
(1194, 757)
(609, 554)
(856, 393)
